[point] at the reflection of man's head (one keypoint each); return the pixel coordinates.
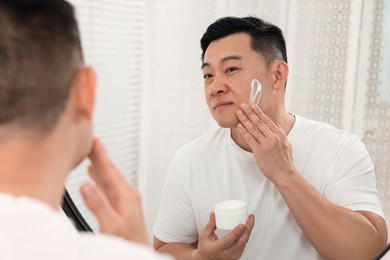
(266, 38)
(40, 53)
(235, 51)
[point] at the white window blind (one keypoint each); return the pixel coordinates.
(112, 39)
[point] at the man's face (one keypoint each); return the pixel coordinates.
(229, 66)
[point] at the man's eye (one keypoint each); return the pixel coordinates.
(207, 76)
(229, 70)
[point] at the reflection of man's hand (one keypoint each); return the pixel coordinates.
(229, 247)
(116, 204)
(267, 140)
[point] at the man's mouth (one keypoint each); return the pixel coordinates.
(222, 104)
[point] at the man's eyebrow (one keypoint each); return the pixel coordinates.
(223, 60)
(205, 64)
(231, 57)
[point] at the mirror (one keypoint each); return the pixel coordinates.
(150, 92)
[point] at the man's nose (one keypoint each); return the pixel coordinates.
(218, 86)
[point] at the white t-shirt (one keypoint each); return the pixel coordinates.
(30, 229)
(214, 168)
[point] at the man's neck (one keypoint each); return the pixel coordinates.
(31, 169)
(285, 120)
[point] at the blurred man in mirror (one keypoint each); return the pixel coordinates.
(47, 100)
(311, 186)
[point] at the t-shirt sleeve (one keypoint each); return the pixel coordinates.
(353, 182)
(175, 221)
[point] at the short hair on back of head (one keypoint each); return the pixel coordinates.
(40, 52)
(266, 38)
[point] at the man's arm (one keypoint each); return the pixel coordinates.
(178, 250)
(209, 245)
(335, 232)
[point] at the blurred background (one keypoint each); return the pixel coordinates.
(150, 89)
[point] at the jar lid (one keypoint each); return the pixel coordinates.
(228, 207)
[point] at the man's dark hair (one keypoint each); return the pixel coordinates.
(40, 52)
(266, 38)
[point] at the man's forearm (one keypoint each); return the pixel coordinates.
(180, 251)
(335, 232)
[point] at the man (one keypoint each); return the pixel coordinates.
(46, 105)
(311, 187)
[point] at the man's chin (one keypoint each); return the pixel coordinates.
(227, 124)
(83, 154)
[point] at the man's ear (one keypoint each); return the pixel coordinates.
(280, 74)
(84, 87)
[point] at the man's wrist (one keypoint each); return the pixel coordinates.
(195, 255)
(285, 179)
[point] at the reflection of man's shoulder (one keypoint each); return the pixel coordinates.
(319, 129)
